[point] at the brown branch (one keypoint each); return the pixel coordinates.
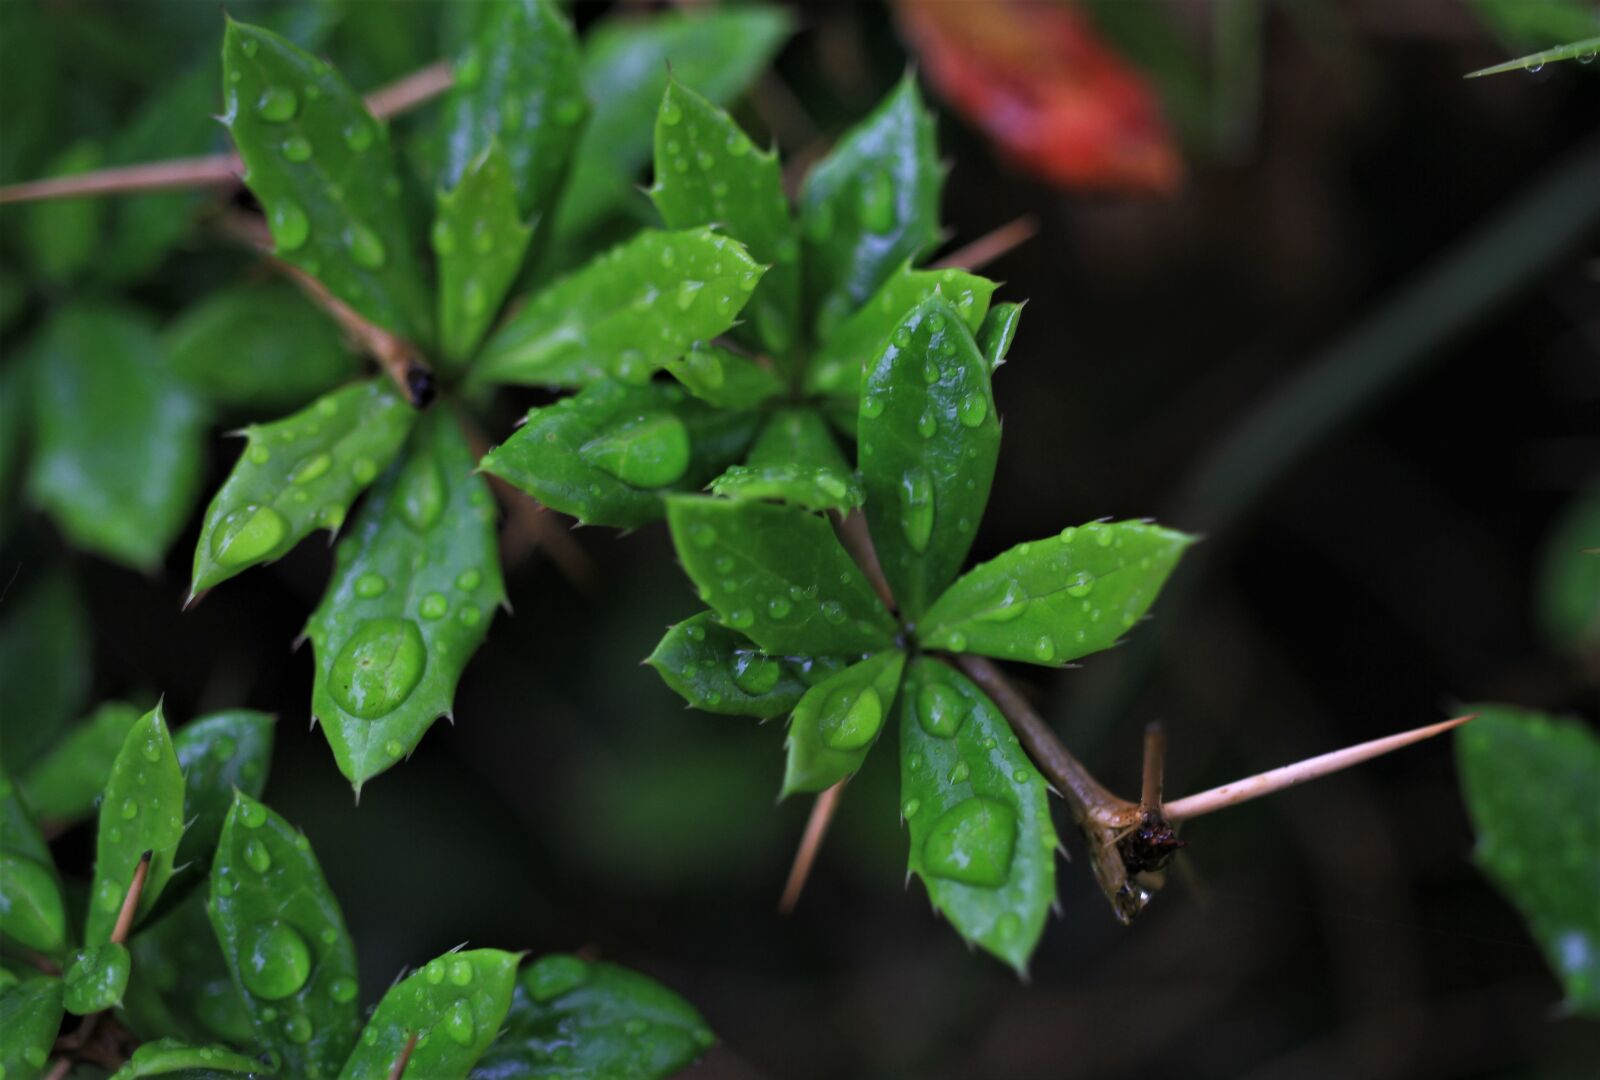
(1155, 757)
(398, 1069)
(59, 1070)
(852, 531)
(409, 91)
(130, 903)
(810, 843)
(991, 246)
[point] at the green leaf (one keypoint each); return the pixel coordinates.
(323, 169)
(778, 575)
(14, 420)
(1568, 590)
(519, 82)
(709, 173)
(722, 671)
(62, 234)
(978, 812)
(284, 941)
(180, 985)
(1582, 51)
(480, 239)
(625, 70)
(264, 347)
(142, 811)
(571, 1017)
(455, 1005)
(168, 1057)
(997, 332)
(840, 363)
(30, 1016)
(606, 454)
(44, 664)
(1054, 600)
(929, 436)
(794, 461)
(95, 978)
(63, 785)
(626, 313)
(724, 379)
(222, 753)
(838, 720)
(869, 206)
(117, 437)
(1529, 781)
(298, 474)
(415, 585)
(31, 909)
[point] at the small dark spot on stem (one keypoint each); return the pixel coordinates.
(419, 385)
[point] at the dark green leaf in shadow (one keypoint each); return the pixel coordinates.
(722, 671)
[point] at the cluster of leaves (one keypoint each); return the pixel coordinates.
(234, 959)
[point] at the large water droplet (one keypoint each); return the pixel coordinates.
(422, 492)
(378, 667)
(972, 843)
(754, 673)
(972, 410)
(1012, 603)
(1080, 584)
(461, 972)
(310, 468)
(296, 149)
(851, 717)
(670, 113)
(371, 585)
(298, 1028)
(458, 1023)
(277, 105)
(871, 407)
(276, 961)
(290, 226)
(433, 606)
(256, 856)
(916, 508)
(247, 535)
(649, 451)
(940, 710)
(365, 247)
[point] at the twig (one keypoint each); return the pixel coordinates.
(409, 91)
(991, 246)
(59, 1070)
(130, 903)
(398, 1069)
(852, 531)
(1155, 756)
(810, 843)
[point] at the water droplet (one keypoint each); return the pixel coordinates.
(378, 667)
(877, 202)
(1044, 649)
(296, 149)
(469, 616)
(871, 407)
(250, 47)
(671, 112)
(1080, 584)
(902, 339)
(276, 962)
(358, 136)
(960, 773)
(740, 618)
(247, 535)
(393, 748)
(365, 247)
(778, 607)
(956, 641)
(649, 451)
(940, 710)
(461, 972)
(916, 508)
(256, 856)
(755, 673)
(342, 989)
(1012, 603)
(298, 1028)
(909, 810)
(458, 1023)
(972, 410)
(277, 104)
(433, 606)
(252, 814)
(422, 492)
(434, 972)
(972, 843)
(703, 536)
(833, 611)
(468, 580)
(927, 424)
(686, 294)
(1069, 534)
(290, 226)
(370, 585)
(851, 717)
(310, 468)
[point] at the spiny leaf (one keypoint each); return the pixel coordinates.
(1583, 52)
(30, 1017)
(978, 812)
(221, 753)
(284, 941)
(518, 82)
(416, 583)
(869, 206)
(142, 811)
(298, 474)
(794, 461)
(928, 437)
(172, 1057)
(95, 978)
(31, 909)
(999, 329)
(44, 664)
(722, 671)
(454, 1005)
(1053, 600)
(480, 239)
(606, 454)
(626, 313)
(838, 720)
(778, 575)
(721, 378)
(180, 986)
(63, 785)
(573, 1017)
(322, 168)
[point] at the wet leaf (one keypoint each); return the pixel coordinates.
(626, 313)
(1569, 579)
(415, 586)
(794, 461)
(44, 663)
(1053, 600)
(171, 1057)
(929, 436)
(999, 329)
(722, 671)
(30, 1016)
(63, 785)
(323, 170)
(284, 941)
(778, 575)
(838, 720)
(722, 378)
(606, 454)
(480, 240)
(299, 474)
(95, 978)
(454, 1005)
(520, 83)
(31, 909)
(180, 987)
(870, 205)
(117, 439)
(572, 1017)
(222, 753)
(978, 813)
(1529, 782)
(62, 234)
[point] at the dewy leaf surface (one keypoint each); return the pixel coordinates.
(838, 720)
(721, 671)
(117, 438)
(625, 313)
(520, 83)
(869, 206)
(171, 1057)
(794, 461)
(30, 1017)
(1053, 600)
(455, 1005)
(299, 474)
(284, 941)
(978, 813)
(708, 173)
(722, 378)
(44, 664)
(480, 239)
(415, 586)
(142, 811)
(570, 1017)
(63, 785)
(607, 454)
(95, 978)
(1529, 781)
(928, 439)
(31, 908)
(779, 576)
(222, 753)
(325, 175)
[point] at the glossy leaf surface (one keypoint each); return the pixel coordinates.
(415, 586)
(455, 1005)
(299, 474)
(999, 329)
(480, 239)
(869, 206)
(1053, 600)
(626, 313)
(794, 461)
(779, 576)
(31, 909)
(722, 378)
(605, 455)
(117, 439)
(170, 1057)
(284, 941)
(928, 440)
(978, 813)
(1529, 781)
(838, 720)
(571, 1017)
(721, 671)
(142, 811)
(30, 1016)
(323, 170)
(63, 785)
(44, 664)
(219, 754)
(180, 987)
(95, 978)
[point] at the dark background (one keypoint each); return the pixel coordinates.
(1383, 576)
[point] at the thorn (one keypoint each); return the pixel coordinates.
(1155, 754)
(991, 246)
(130, 902)
(810, 843)
(398, 1069)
